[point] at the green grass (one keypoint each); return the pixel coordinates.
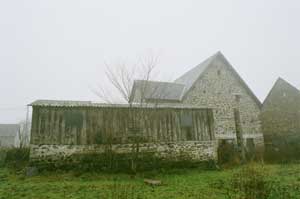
(177, 184)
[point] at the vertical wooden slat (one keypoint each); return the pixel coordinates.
(194, 129)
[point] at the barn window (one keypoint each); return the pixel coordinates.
(43, 123)
(188, 133)
(186, 122)
(237, 98)
(73, 118)
(186, 119)
(60, 122)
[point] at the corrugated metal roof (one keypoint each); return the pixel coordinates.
(160, 90)
(9, 129)
(65, 103)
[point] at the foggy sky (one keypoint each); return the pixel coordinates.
(56, 49)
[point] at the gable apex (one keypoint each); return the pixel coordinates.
(281, 81)
(278, 85)
(191, 77)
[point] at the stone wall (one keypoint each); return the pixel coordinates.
(217, 88)
(191, 151)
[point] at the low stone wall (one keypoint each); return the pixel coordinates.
(191, 151)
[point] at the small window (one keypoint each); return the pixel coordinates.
(237, 98)
(43, 125)
(219, 72)
(186, 123)
(250, 145)
(204, 91)
(73, 118)
(186, 119)
(189, 135)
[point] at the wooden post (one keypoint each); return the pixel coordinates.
(239, 130)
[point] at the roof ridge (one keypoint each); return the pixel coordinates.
(190, 77)
(156, 81)
(286, 82)
(207, 59)
(279, 79)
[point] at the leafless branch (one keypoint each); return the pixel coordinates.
(121, 78)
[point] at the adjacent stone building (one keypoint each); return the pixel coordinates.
(213, 83)
(9, 135)
(281, 121)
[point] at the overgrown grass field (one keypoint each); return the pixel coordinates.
(254, 181)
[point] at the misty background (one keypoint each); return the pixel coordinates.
(56, 49)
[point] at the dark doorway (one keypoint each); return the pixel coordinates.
(250, 148)
(226, 150)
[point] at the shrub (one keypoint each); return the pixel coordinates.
(250, 182)
(253, 181)
(16, 158)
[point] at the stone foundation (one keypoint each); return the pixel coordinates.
(191, 151)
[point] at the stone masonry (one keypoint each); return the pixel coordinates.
(192, 151)
(218, 86)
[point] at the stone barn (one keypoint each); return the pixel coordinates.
(281, 121)
(212, 83)
(172, 126)
(69, 131)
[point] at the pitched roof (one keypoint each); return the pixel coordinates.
(61, 103)
(173, 90)
(280, 81)
(240, 79)
(190, 78)
(159, 90)
(9, 129)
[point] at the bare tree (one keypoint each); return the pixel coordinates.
(24, 134)
(122, 77)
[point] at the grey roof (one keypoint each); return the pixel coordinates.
(190, 77)
(9, 130)
(280, 81)
(61, 103)
(181, 86)
(160, 90)
(173, 90)
(65, 103)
